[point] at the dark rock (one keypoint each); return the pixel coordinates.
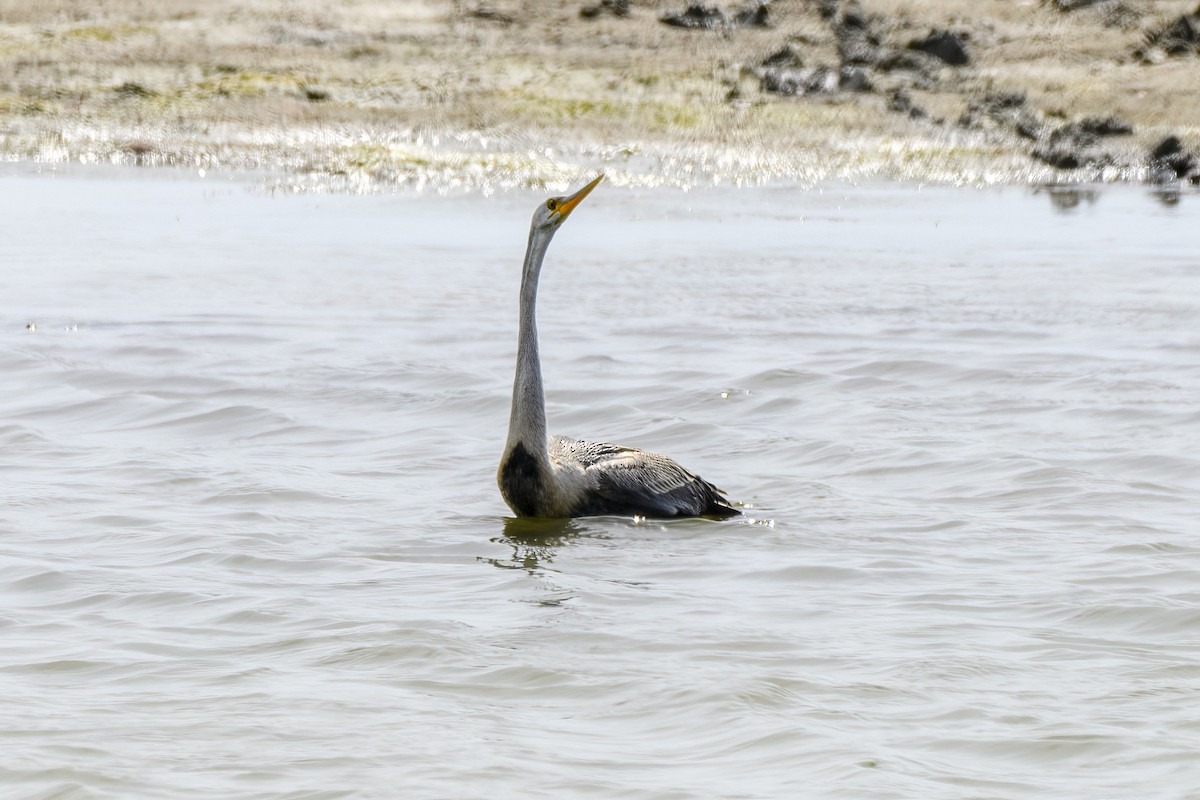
(1070, 146)
(696, 16)
(1180, 37)
(786, 57)
(945, 46)
(854, 79)
(827, 8)
(1057, 156)
(700, 17)
(1028, 124)
(855, 20)
(996, 102)
(1167, 148)
(1003, 109)
(1169, 160)
(617, 8)
(1071, 5)
(923, 67)
(492, 15)
(1121, 15)
(901, 102)
(1076, 134)
(858, 50)
(1105, 126)
(858, 37)
(752, 16)
(1113, 13)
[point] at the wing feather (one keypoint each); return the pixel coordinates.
(624, 480)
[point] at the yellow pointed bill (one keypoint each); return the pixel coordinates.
(568, 204)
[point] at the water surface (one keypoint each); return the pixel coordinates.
(251, 544)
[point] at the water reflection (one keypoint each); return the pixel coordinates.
(534, 541)
(1167, 195)
(1068, 199)
(1065, 199)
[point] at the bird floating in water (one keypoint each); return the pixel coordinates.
(553, 476)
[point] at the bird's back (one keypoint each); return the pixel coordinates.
(622, 480)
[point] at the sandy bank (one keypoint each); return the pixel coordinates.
(371, 95)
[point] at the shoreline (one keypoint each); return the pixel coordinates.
(513, 202)
(378, 97)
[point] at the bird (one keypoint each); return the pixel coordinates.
(556, 476)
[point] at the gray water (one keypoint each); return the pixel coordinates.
(251, 544)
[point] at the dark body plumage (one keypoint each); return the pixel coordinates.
(553, 476)
(604, 479)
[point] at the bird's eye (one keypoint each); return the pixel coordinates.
(551, 204)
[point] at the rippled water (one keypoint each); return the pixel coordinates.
(251, 544)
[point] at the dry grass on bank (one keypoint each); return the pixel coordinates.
(379, 91)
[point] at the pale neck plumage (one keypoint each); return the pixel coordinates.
(527, 422)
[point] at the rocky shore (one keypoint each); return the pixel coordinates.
(370, 95)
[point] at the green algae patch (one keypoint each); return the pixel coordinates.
(134, 90)
(99, 33)
(246, 84)
(22, 106)
(646, 114)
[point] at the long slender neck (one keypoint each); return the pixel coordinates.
(527, 422)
